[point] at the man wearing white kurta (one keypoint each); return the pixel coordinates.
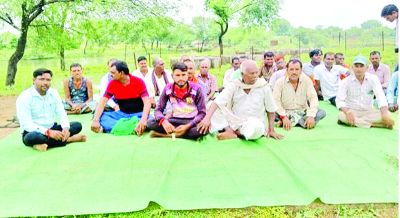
(242, 108)
(355, 99)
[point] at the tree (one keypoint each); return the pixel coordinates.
(30, 10)
(248, 12)
(204, 30)
(281, 27)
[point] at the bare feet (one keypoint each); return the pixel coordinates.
(77, 138)
(226, 135)
(40, 147)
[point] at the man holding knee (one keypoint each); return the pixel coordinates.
(355, 99)
(187, 103)
(242, 108)
(38, 108)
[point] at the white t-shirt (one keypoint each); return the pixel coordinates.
(329, 80)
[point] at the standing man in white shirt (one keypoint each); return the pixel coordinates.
(327, 77)
(391, 13)
(355, 99)
(38, 108)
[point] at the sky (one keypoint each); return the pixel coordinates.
(312, 13)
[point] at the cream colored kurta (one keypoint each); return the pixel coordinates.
(287, 99)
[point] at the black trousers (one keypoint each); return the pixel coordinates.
(192, 133)
(34, 138)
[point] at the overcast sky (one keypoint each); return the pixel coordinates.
(311, 13)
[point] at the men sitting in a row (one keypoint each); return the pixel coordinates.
(296, 99)
(130, 94)
(78, 92)
(355, 99)
(38, 109)
(187, 103)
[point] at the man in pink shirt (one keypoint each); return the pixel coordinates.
(379, 69)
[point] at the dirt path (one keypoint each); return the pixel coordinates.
(7, 112)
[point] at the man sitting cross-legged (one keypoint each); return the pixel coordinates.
(38, 108)
(187, 103)
(355, 99)
(296, 98)
(242, 108)
(130, 94)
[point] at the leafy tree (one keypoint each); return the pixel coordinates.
(204, 30)
(247, 12)
(21, 16)
(281, 27)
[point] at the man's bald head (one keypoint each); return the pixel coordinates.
(250, 71)
(248, 66)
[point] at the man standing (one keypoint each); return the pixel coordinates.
(393, 92)
(391, 13)
(208, 79)
(143, 71)
(131, 95)
(229, 72)
(242, 107)
(187, 103)
(382, 71)
(38, 108)
(355, 99)
(296, 99)
(327, 77)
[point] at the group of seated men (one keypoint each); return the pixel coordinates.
(186, 105)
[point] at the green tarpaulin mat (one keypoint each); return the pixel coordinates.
(333, 163)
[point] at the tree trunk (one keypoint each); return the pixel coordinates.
(202, 45)
(224, 28)
(17, 55)
(62, 58)
(84, 48)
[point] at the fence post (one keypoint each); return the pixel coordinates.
(299, 46)
(383, 41)
(339, 39)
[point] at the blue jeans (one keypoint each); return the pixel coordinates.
(109, 118)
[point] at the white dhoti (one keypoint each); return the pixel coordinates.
(251, 128)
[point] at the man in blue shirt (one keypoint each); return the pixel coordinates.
(38, 108)
(393, 92)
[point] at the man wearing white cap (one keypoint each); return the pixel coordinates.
(355, 99)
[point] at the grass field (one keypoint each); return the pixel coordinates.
(95, 66)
